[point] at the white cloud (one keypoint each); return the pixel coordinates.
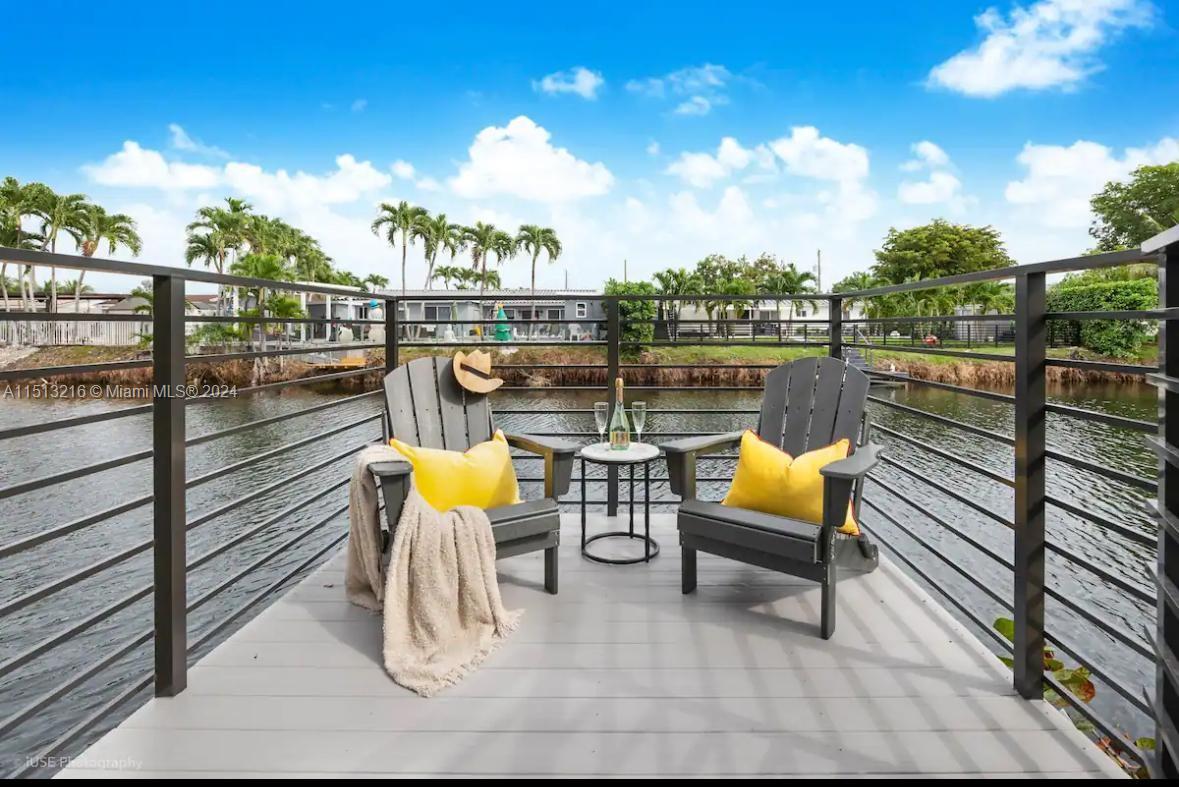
(518, 160)
(653, 148)
(700, 87)
(429, 184)
(733, 215)
(578, 80)
(359, 105)
(696, 105)
(941, 186)
(279, 190)
(137, 167)
(1051, 43)
(1061, 180)
(403, 169)
(926, 155)
(809, 154)
(698, 169)
(181, 140)
(134, 166)
(850, 202)
(703, 169)
(805, 152)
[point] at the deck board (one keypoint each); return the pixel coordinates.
(618, 675)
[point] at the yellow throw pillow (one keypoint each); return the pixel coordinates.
(770, 480)
(483, 476)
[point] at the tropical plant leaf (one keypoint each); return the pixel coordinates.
(1006, 627)
(1077, 681)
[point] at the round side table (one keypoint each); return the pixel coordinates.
(638, 454)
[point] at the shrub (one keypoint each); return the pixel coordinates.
(635, 309)
(1112, 338)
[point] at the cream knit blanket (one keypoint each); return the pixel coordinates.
(442, 609)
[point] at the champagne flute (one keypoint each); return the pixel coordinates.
(638, 414)
(601, 417)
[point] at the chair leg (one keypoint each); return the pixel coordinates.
(550, 570)
(688, 570)
(827, 623)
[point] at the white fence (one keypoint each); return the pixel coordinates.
(38, 333)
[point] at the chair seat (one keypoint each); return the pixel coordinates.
(777, 535)
(524, 520)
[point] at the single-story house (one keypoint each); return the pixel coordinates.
(566, 308)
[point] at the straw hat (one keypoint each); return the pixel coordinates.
(473, 372)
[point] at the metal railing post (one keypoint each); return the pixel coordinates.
(392, 353)
(613, 369)
(1166, 692)
(168, 477)
(1030, 423)
(835, 327)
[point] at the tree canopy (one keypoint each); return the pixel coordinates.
(939, 248)
(1126, 214)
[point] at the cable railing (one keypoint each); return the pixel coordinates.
(927, 525)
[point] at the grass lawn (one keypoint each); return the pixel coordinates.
(726, 354)
(1147, 356)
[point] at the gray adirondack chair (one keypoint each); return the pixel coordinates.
(425, 406)
(808, 404)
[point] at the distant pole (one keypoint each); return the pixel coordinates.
(819, 269)
(566, 277)
(624, 279)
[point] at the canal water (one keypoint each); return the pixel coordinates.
(36, 456)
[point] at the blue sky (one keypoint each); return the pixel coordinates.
(646, 131)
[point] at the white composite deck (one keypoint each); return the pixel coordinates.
(618, 675)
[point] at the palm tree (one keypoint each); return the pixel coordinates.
(261, 266)
(15, 204)
(789, 280)
(225, 229)
(860, 280)
(533, 240)
(676, 281)
(438, 233)
(466, 279)
(230, 221)
(58, 212)
(400, 218)
(147, 293)
(117, 229)
(284, 307)
(374, 282)
(448, 274)
(484, 239)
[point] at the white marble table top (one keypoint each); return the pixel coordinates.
(638, 452)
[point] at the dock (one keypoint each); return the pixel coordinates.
(618, 675)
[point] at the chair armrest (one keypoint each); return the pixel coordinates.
(393, 478)
(840, 480)
(704, 444)
(536, 444)
(855, 466)
(681, 458)
(558, 459)
(390, 469)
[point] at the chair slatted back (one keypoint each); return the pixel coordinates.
(811, 403)
(426, 407)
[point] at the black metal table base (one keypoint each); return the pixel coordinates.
(650, 549)
(650, 545)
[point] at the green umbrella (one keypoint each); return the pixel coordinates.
(502, 332)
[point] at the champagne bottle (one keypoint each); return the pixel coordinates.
(619, 423)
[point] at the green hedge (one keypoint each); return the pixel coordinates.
(1112, 338)
(635, 310)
